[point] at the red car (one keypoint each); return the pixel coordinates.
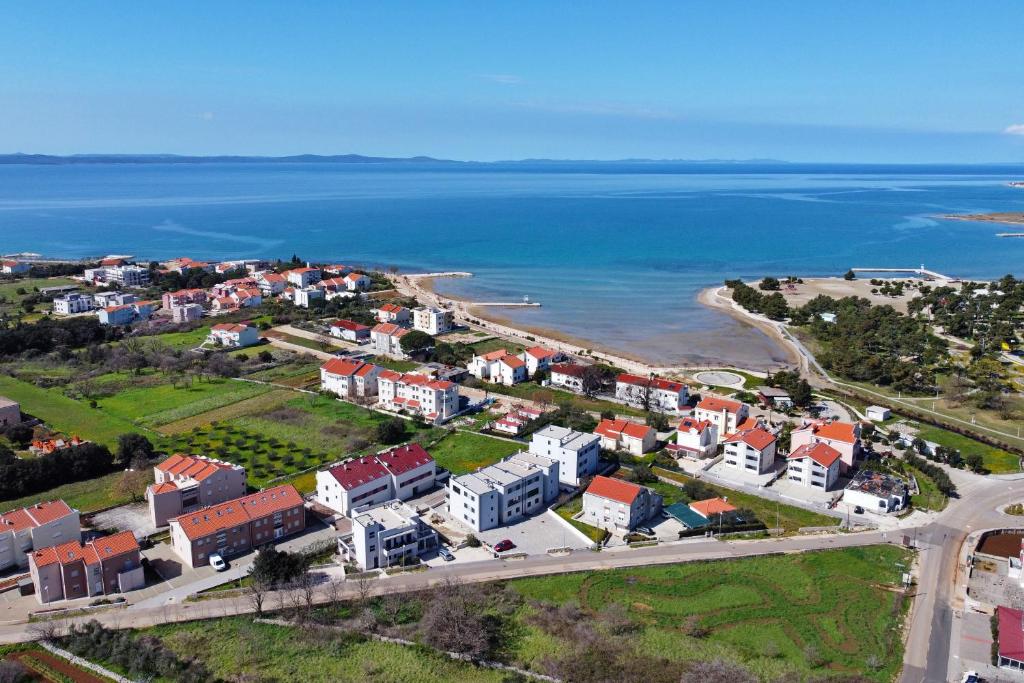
(502, 546)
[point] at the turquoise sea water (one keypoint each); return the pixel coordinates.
(616, 253)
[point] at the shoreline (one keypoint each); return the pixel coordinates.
(421, 285)
(997, 217)
(712, 298)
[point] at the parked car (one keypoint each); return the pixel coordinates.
(645, 530)
(971, 677)
(502, 546)
(217, 562)
(858, 510)
(445, 554)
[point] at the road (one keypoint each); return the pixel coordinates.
(489, 570)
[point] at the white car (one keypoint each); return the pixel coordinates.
(971, 677)
(217, 562)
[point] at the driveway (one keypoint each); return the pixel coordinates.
(133, 517)
(537, 534)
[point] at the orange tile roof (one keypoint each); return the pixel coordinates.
(656, 382)
(34, 516)
(495, 355)
(756, 438)
(821, 453)
(711, 506)
(115, 544)
(837, 431)
(613, 429)
(341, 366)
(230, 327)
(165, 487)
(613, 489)
(193, 466)
(210, 520)
(389, 329)
(512, 362)
(717, 405)
(689, 423)
(541, 352)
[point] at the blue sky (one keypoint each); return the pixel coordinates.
(802, 81)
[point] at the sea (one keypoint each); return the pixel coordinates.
(616, 253)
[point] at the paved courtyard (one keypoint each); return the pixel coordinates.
(133, 517)
(537, 534)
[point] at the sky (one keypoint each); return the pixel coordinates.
(912, 82)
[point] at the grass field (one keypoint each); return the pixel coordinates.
(64, 414)
(462, 452)
(9, 291)
(185, 340)
(238, 649)
(85, 496)
(789, 517)
(831, 612)
(260, 403)
(997, 461)
(165, 403)
(573, 507)
(929, 497)
(488, 345)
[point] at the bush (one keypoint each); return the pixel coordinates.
(140, 656)
(392, 431)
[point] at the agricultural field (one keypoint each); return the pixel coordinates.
(164, 403)
(85, 496)
(835, 611)
(462, 452)
(789, 517)
(262, 402)
(238, 649)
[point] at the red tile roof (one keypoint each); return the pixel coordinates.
(614, 428)
(688, 423)
(1011, 633)
(165, 487)
(93, 552)
(613, 489)
(115, 544)
(390, 329)
(494, 355)
(821, 453)
(404, 458)
(358, 471)
(343, 367)
(210, 520)
(349, 325)
(193, 466)
(512, 361)
(656, 382)
(837, 431)
(711, 506)
(568, 369)
(392, 308)
(540, 352)
(34, 516)
(717, 405)
(755, 438)
(230, 327)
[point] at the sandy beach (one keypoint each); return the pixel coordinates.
(999, 218)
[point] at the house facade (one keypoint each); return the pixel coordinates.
(386, 339)
(538, 358)
(814, 466)
(183, 297)
(14, 267)
(750, 450)
(696, 438)
(39, 526)
(234, 335)
(652, 393)
(393, 313)
(618, 506)
(301, 278)
(567, 376)
(624, 435)
(842, 436)
(183, 483)
(349, 378)
(72, 303)
(724, 413)
(239, 525)
(187, 313)
(505, 492)
(433, 321)
(386, 535)
(396, 474)
(577, 453)
(350, 331)
(103, 566)
(436, 400)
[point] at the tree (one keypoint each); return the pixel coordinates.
(265, 356)
(975, 462)
(769, 284)
(132, 485)
(391, 431)
(850, 275)
(416, 340)
(19, 434)
(133, 448)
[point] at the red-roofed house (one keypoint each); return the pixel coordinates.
(624, 435)
(302, 277)
(499, 367)
(696, 438)
(842, 436)
(1010, 641)
(105, 565)
(349, 378)
(183, 483)
(652, 393)
(239, 525)
(724, 413)
(8, 267)
(617, 505)
(436, 400)
(515, 421)
(36, 527)
(538, 358)
(357, 282)
(711, 507)
(568, 376)
(234, 335)
(271, 284)
(184, 296)
(815, 465)
(400, 473)
(386, 339)
(393, 313)
(350, 331)
(750, 450)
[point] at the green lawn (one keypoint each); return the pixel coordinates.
(488, 345)
(789, 517)
(773, 614)
(9, 291)
(238, 649)
(85, 496)
(164, 403)
(929, 497)
(997, 461)
(573, 507)
(462, 452)
(64, 414)
(185, 340)
(396, 365)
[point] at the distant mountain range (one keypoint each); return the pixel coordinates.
(48, 159)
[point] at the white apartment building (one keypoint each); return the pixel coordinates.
(301, 278)
(349, 378)
(724, 413)
(386, 339)
(814, 466)
(576, 452)
(385, 535)
(567, 376)
(652, 393)
(186, 313)
(538, 358)
(400, 473)
(505, 492)
(618, 506)
(69, 304)
(436, 400)
(39, 526)
(303, 297)
(750, 450)
(433, 321)
(499, 367)
(114, 298)
(696, 438)
(234, 335)
(129, 275)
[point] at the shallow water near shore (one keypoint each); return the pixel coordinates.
(615, 253)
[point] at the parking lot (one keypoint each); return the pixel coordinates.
(538, 534)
